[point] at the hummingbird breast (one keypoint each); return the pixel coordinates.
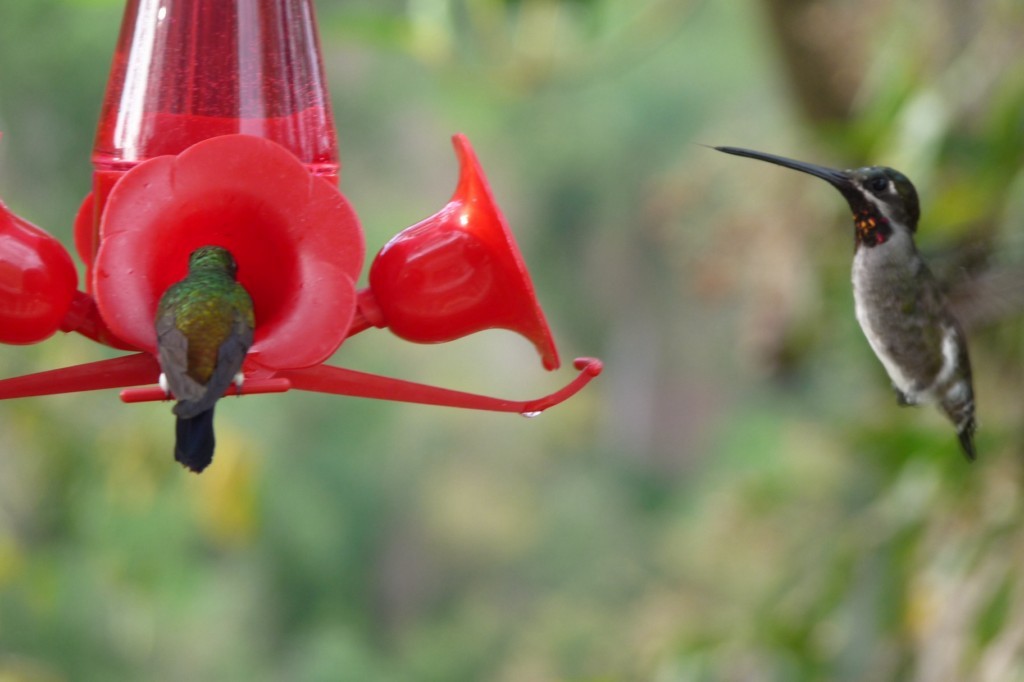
(902, 312)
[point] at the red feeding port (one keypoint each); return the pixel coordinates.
(297, 242)
(37, 281)
(457, 272)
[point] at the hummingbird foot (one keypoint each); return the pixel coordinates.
(966, 436)
(902, 399)
(238, 381)
(164, 385)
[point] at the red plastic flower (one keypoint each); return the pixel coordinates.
(298, 245)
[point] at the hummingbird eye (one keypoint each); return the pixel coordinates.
(878, 184)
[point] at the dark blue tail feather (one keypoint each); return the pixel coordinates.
(194, 441)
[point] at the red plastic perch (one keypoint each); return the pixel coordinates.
(141, 368)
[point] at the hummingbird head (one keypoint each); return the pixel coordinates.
(882, 199)
(212, 258)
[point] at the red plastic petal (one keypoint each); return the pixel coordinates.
(298, 244)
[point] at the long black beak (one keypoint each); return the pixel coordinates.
(837, 178)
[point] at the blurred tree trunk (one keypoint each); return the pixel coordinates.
(822, 54)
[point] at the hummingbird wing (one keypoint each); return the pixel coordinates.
(983, 278)
(933, 322)
(988, 297)
(230, 357)
(172, 349)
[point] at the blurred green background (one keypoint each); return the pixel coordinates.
(737, 498)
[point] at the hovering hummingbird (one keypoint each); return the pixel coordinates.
(204, 327)
(899, 303)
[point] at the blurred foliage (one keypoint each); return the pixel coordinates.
(737, 498)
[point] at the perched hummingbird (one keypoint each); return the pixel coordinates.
(899, 303)
(204, 327)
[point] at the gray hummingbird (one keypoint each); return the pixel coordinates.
(899, 304)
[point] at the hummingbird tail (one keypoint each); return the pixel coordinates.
(194, 442)
(958, 404)
(966, 435)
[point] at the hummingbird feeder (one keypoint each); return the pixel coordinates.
(216, 129)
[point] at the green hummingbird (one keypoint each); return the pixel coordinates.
(204, 328)
(899, 304)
